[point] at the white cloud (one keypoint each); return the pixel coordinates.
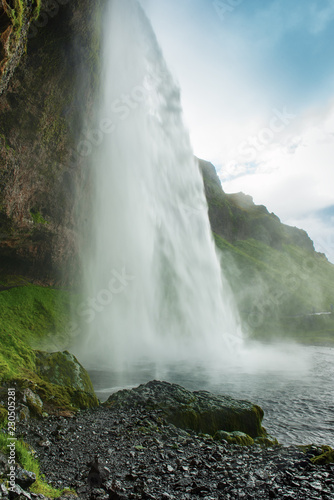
(300, 156)
(294, 178)
(232, 78)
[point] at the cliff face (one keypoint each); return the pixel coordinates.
(281, 285)
(16, 17)
(40, 124)
(235, 217)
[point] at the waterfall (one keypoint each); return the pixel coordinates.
(154, 290)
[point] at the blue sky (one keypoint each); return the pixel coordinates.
(257, 83)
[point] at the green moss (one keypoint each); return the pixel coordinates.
(235, 437)
(16, 14)
(33, 312)
(3, 415)
(212, 421)
(37, 9)
(186, 419)
(327, 457)
(82, 400)
(37, 217)
(62, 368)
(278, 289)
(32, 316)
(55, 397)
(266, 441)
(26, 459)
(20, 10)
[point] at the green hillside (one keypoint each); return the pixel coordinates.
(280, 283)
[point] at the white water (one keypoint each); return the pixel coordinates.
(153, 280)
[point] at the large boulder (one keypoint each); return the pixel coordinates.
(199, 411)
(62, 368)
(32, 401)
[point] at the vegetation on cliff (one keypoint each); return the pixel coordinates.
(283, 287)
(15, 19)
(30, 463)
(40, 123)
(35, 317)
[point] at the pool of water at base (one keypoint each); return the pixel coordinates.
(297, 398)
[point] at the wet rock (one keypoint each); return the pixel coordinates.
(3, 491)
(235, 437)
(62, 368)
(24, 478)
(3, 464)
(33, 402)
(98, 473)
(14, 37)
(266, 441)
(18, 493)
(326, 456)
(200, 411)
(23, 412)
(45, 443)
(143, 460)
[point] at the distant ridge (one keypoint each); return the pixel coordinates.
(279, 281)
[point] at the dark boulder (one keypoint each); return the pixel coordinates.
(199, 411)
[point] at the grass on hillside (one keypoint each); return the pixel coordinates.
(278, 290)
(25, 457)
(31, 317)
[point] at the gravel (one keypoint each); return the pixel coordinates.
(110, 453)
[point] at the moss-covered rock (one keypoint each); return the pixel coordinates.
(326, 457)
(34, 317)
(235, 437)
(33, 402)
(15, 20)
(41, 397)
(3, 415)
(62, 368)
(266, 441)
(200, 411)
(318, 455)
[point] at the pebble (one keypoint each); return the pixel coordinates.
(113, 453)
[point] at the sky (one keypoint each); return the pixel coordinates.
(257, 86)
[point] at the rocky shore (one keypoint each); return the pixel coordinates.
(129, 449)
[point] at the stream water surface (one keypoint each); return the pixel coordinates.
(297, 397)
